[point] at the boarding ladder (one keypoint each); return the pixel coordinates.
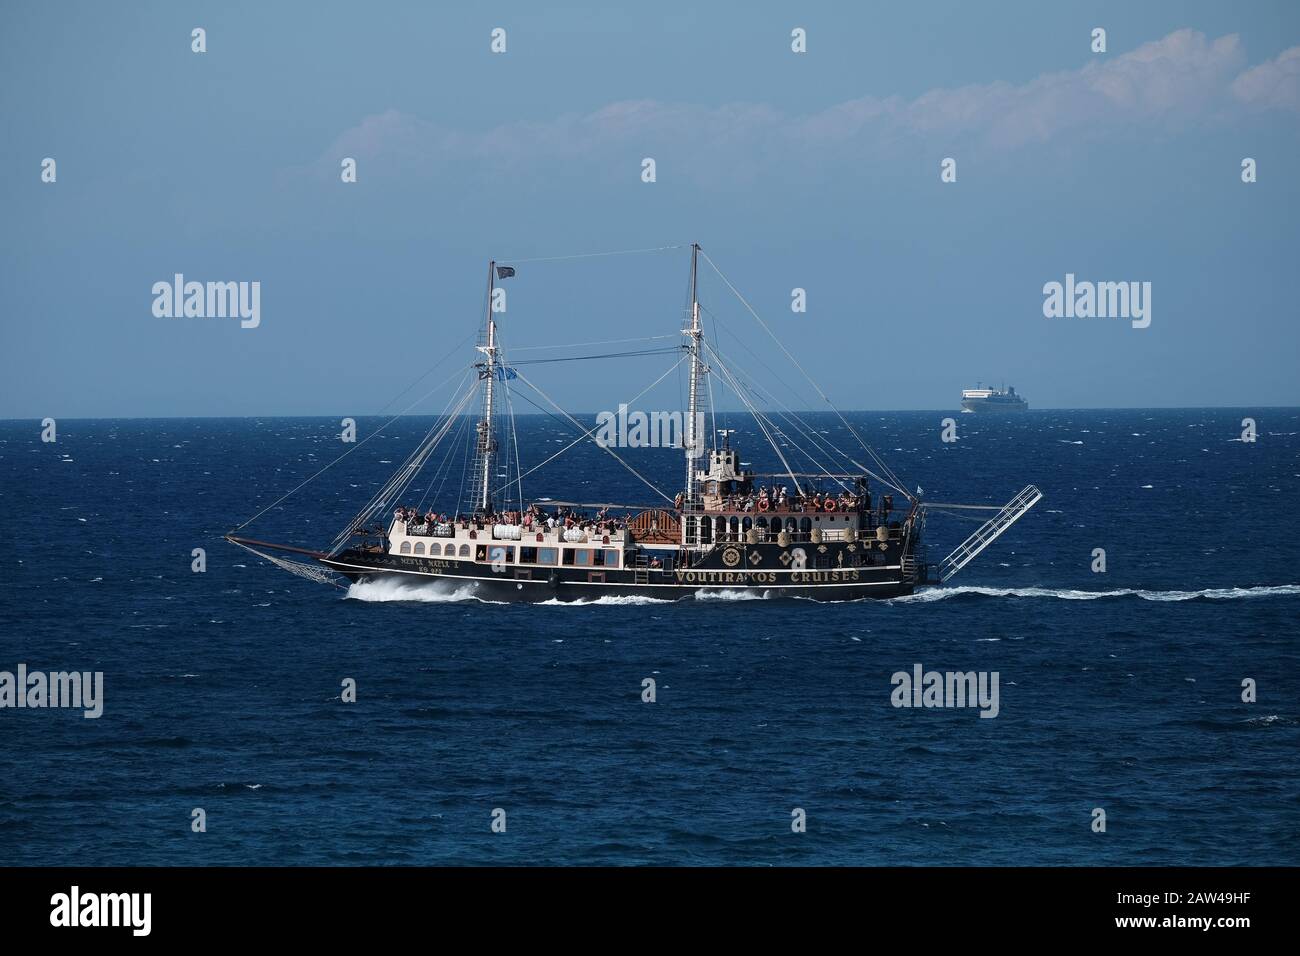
(641, 569)
(988, 532)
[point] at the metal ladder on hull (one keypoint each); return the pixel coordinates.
(988, 532)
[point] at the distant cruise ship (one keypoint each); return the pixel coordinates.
(998, 400)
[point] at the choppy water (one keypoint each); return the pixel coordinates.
(222, 690)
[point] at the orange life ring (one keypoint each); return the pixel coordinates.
(763, 504)
(828, 504)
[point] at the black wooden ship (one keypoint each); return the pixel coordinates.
(831, 535)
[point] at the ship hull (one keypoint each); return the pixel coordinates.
(566, 585)
(984, 407)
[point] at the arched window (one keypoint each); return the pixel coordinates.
(406, 547)
(762, 524)
(435, 549)
(805, 525)
(419, 547)
(734, 526)
(746, 523)
(791, 524)
(464, 550)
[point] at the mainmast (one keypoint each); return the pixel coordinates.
(486, 445)
(692, 436)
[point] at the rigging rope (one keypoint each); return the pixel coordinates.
(514, 437)
(588, 432)
(584, 358)
(759, 417)
(398, 482)
(583, 345)
(308, 481)
(804, 429)
(311, 572)
(785, 411)
(896, 481)
(592, 255)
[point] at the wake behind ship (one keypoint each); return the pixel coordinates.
(829, 528)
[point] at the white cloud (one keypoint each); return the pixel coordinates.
(1176, 82)
(1272, 85)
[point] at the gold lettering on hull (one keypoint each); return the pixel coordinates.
(427, 565)
(766, 577)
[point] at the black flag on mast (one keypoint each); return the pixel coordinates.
(505, 272)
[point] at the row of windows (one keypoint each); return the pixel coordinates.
(435, 549)
(736, 523)
(528, 554)
(735, 526)
(505, 554)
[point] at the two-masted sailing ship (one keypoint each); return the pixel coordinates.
(825, 526)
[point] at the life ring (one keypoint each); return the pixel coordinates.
(473, 535)
(828, 504)
(540, 536)
(763, 504)
(605, 540)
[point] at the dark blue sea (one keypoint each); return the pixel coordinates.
(222, 690)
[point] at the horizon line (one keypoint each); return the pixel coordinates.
(844, 411)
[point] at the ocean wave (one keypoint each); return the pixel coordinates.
(1073, 594)
(608, 599)
(729, 594)
(430, 592)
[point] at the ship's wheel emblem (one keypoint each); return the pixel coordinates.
(731, 557)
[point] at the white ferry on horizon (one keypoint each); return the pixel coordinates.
(997, 400)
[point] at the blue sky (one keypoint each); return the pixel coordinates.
(816, 170)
